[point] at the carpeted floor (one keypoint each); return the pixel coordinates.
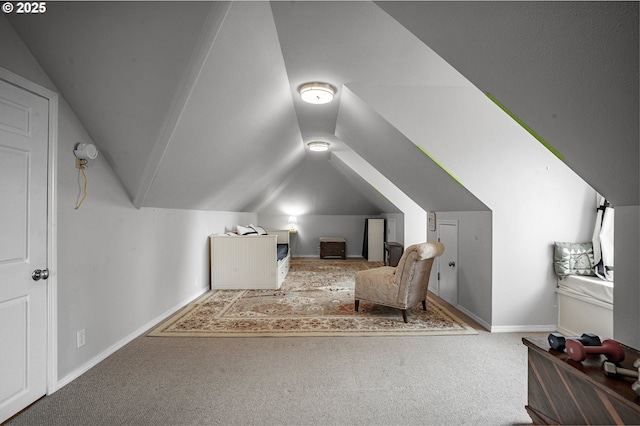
(316, 299)
(393, 380)
(297, 381)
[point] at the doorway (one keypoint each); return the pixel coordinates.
(448, 261)
(28, 127)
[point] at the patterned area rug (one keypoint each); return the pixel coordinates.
(316, 299)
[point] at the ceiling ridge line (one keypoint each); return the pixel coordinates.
(193, 69)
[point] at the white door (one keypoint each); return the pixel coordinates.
(391, 230)
(23, 247)
(448, 262)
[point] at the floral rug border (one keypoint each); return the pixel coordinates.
(297, 326)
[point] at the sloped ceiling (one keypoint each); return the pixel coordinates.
(195, 104)
(569, 70)
(238, 132)
(326, 194)
(119, 66)
(376, 141)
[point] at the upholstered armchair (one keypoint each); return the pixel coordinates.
(401, 287)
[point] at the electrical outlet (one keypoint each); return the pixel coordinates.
(80, 338)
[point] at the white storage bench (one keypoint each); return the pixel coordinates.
(585, 305)
(249, 261)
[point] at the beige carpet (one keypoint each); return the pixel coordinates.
(316, 299)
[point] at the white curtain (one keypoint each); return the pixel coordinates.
(603, 240)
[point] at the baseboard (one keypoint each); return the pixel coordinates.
(317, 256)
(122, 342)
(524, 328)
(567, 332)
(507, 328)
(476, 318)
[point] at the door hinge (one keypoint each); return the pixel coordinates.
(438, 276)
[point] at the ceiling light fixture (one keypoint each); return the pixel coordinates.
(317, 93)
(318, 146)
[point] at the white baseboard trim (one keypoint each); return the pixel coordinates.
(317, 256)
(476, 318)
(122, 342)
(509, 328)
(567, 332)
(524, 328)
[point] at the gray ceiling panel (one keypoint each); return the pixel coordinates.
(241, 133)
(400, 160)
(569, 70)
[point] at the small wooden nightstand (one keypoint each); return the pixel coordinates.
(333, 247)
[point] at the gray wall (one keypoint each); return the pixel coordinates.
(474, 263)
(626, 292)
(311, 227)
(119, 270)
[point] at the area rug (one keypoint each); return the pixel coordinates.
(316, 299)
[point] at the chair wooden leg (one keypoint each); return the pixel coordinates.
(424, 305)
(404, 315)
(357, 304)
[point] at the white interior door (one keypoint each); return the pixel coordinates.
(448, 262)
(23, 247)
(391, 230)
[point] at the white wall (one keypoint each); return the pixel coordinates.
(569, 70)
(118, 269)
(535, 198)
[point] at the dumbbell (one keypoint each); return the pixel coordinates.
(610, 348)
(558, 342)
(610, 369)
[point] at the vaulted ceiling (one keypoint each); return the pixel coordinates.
(195, 104)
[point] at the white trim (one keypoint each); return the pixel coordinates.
(476, 318)
(125, 340)
(52, 265)
(585, 299)
(509, 328)
(523, 328)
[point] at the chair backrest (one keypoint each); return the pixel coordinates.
(413, 271)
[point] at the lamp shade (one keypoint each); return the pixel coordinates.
(293, 224)
(317, 93)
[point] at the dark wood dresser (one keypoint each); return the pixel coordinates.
(563, 391)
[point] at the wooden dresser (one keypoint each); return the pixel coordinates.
(563, 391)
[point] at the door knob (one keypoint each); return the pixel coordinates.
(452, 263)
(40, 274)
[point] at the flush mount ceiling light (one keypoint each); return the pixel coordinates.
(318, 146)
(317, 93)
